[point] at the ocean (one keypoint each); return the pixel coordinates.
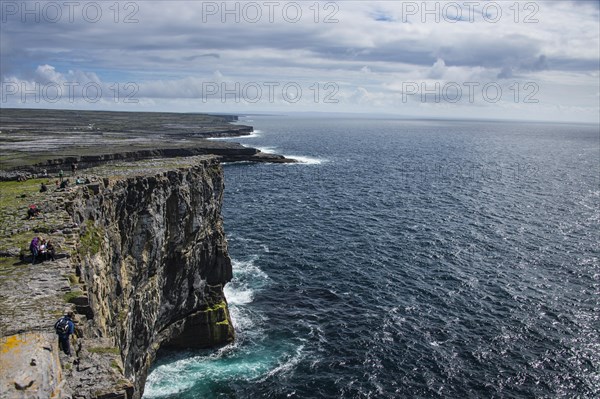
(407, 259)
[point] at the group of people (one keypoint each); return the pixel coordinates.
(64, 183)
(61, 173)
(40, 248)
(44, 249)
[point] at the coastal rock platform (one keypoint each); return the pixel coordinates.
(141, 257)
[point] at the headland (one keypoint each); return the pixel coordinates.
(140, 251)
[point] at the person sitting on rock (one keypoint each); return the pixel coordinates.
(50, 251)
(43, 188)
(34, 247)
(64, 328)
(30, 213)
(42, 249)
(33, 211)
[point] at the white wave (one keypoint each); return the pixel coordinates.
(306, 160)
(300, 158)
(252, 135)
(177, 375)
(288, 365)
(237, 296)
(221, 138)
(242, 320)
(240, 291)
(267, 150)
(198, 372)
(246, 270)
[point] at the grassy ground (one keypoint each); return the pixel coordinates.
(16, 229)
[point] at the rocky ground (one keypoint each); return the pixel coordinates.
(30, 136)
(34, 141)
(137, 148)
(34, 296)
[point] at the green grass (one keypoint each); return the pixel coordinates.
(11, 193)
(115, 365)
(8, 262)
(215, 307)
(19, 240)
(73, 279)
(16, 231)
(69, 296)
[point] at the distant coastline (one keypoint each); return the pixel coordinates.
(32, 140)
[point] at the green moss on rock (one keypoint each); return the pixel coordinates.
(70, 296)
(91, 240)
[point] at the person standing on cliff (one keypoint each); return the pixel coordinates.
(65, 328)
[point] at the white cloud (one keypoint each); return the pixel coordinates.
(369, 53)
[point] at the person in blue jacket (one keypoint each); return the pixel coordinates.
(65, 328)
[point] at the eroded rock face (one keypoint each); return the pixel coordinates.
(154, 260)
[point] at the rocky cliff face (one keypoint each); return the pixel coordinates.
(154, 261)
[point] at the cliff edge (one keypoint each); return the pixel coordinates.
(142, 258)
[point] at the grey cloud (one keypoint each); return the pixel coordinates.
(490, 52)
(573, 64)
(195, 57)
(506, 73)
(173, 44)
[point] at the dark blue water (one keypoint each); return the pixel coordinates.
(408, 259)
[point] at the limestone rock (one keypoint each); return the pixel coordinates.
(144, 261)
(28, 366)
(154, 259)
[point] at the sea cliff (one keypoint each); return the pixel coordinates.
(142, 259)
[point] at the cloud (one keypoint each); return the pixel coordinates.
(438, 69)
(200, 56)
(506, 73)
(174, 48)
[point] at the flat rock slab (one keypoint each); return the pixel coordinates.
(32, 296)
(31, 366)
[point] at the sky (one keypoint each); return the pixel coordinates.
(517, 60)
